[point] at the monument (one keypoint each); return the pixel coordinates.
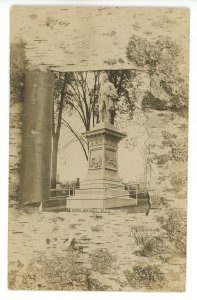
(102, 187)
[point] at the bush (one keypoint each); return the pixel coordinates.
(179, 153)
(148, 276)
(56, 273)
(160, 159)
(158, 201)
(15, 269)
(102, 260)
(174, 223)
(155, 247)
(179, 181)
(65, 272)
(152, 243)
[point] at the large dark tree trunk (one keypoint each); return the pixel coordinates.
(54, 163)
(56, 136)
(36, 150)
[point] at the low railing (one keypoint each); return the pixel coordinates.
(62, 193)
(136, 190)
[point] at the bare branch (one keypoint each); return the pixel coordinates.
(76, 135)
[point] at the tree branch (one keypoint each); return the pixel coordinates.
(62, 95)
(76, 135)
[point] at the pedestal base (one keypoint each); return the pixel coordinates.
(100, 195)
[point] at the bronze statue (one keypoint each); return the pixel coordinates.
(108, 96)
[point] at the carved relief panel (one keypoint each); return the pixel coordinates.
(95, 160)
(110, 159)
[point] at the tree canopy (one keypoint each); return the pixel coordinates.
(18, 64)
(162, 60)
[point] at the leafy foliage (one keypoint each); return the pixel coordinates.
(153, 243)
(179, 153)
(102, 260)
(65, 272)
(174, 223)
(179, 180)
(156, 247)
(154, 55)
(149, 101)
(158, 201)
(178, 90)
(148, 276)
(122, 80)
(15, 269)
(54, 273)
(179, 147)
(18, 64)
(160, 159)
(59, 273)
(162, 59)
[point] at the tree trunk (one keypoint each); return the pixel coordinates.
(56, 136)
(36, 150)
(54, 163)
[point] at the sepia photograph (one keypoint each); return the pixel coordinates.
(98, 148)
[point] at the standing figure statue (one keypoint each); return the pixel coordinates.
(108, 96)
